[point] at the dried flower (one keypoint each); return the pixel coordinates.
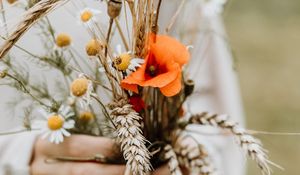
(82, 89)
(93, 47)
(162, 67)
(63, 40)
(56, 125)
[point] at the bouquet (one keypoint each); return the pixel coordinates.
(134, 95)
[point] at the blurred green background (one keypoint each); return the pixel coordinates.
(265, 37)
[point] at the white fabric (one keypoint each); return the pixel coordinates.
(16, 153)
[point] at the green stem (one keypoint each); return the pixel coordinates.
(105, 111)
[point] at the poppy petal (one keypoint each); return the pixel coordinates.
(161, 80)
(166, 48)
(173, 88)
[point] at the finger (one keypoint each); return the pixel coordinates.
(68, 168)
(162, 170)
(79, 146)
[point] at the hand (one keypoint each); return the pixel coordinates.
(77, 146)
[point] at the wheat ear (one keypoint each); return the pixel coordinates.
(173, 163)
(130, 138)
(39, 10)
(194, 156)
(249, 144)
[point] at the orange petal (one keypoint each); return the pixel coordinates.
(173, 88)
(130, 87)
(173, 69)
(166, 48)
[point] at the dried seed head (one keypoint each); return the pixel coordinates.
(122, 62)
(79, 87)
(63, 40)
(93, 47)
(114, 8)
(189, 87)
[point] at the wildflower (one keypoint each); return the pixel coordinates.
(125, 62)
(86, 117)
(56, 124)
(88, 15)
(93, 47)
(137, 103)
(82, 89)
(11, 1)
(63, 40)
(162, 67)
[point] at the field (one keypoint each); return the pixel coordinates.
(265, 37)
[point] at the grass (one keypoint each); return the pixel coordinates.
(265, 37)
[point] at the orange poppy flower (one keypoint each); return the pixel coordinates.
(162, 67)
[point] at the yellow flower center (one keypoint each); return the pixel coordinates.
(122, 62)
(11, 1)
(63, 40)
(55, 122)
(79, 87)
(86, 116)
(86, 15)
(93, 47)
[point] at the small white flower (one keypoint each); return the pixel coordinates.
(82, 90)
(123, 61)
(88, 15)
(56, 124)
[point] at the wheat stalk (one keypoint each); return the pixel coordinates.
(173, 163)
(130, 138)
(249, 144)
(194, 156)
(31, 16)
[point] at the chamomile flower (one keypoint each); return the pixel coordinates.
(86, 117)
(93, 47)
(63, 40)
(82, 89)
(56, 125)
(11, 1)
(124, 61)
(88, 15)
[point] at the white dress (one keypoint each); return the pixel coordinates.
(212, 68)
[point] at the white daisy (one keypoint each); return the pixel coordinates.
(123, 61)
(82, 89)
(56, 124)
(88, 15)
